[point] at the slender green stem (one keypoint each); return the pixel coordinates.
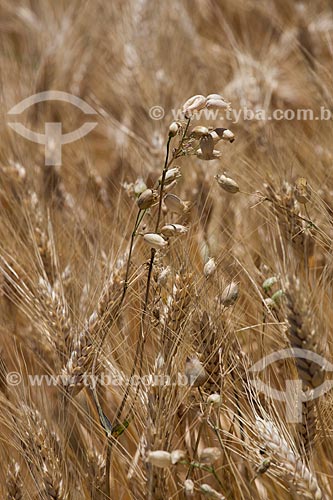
(106, 424)
(140, 345)
(141, 341)
(206, 468)
(107, 469)
(151, 262)
(165, 169)
(190, 469)
(186, 129)
(217, 477)
(102, 417)
(138, 220)
(143, 337)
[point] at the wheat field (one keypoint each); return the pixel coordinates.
(147, 273)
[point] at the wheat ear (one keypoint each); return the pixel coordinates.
(303, 334)
(39, 447)
(14, 482)
(296, 471)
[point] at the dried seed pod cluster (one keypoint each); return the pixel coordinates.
(203, 141)
(199, 141)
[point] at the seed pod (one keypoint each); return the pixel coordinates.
(155, 240)
(159, 458)
(188, 487)
(209, 267)
(227, 183)
(175, 204)
(228, 135)
(215, 96)
(169, 187)
(139, 186)
(177, 455)
(270, 303)
(217, 103)
(277, 296)
(207, 146)
(214, 155)
(216, 138)
(269, 282)
(194, 104)
(173, 229)
(214, 399)
(171, 175)
(195, 372)
(174, 128)
(225, 134)
(199, 131)
(209, 455)
(147, 199)
(208, 490)
(229, 294)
